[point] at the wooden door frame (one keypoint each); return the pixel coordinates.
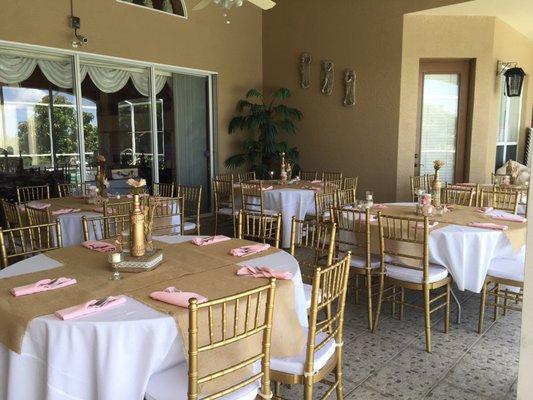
(462, 67)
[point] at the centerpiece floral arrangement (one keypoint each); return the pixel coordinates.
(436, 186)
(102, 183)
(136, 185)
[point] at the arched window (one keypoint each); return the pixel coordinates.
(176, 7)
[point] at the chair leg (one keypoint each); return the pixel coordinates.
(380, 301)
(393, 302)
(277, 391)
(447, 312)
(482, 307)
(427, 319)
(216, 223)
(496, 302)
(505, 303)
(402, 300)
(356, 289)
(338, 374)
(308, 388)
(369, 299)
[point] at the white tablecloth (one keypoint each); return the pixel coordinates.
(72, 228)
(106, 356)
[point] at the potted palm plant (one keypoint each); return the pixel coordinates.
(264, 120)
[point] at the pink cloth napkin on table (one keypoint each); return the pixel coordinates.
(432, 224)
(379, 206)
(171, 295)
(98, 209)
(510, 218)
(316, 189)
(65, 211)
(101, 247)
(248, 250)
(316, 181)
(89, 308)
(264, 272)
(268, 188)
(43, 285)
(198, 241)
(35, 204)
(488, 225)
(470, 184)
(484, 210)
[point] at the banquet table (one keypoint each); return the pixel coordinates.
(111, 354)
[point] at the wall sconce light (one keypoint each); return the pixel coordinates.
(514, 78)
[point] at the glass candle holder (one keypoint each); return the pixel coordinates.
(115, 259)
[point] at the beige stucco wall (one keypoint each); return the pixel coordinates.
(365, 36)
(483, 39)
(204, 41)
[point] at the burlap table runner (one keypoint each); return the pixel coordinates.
(297, 185)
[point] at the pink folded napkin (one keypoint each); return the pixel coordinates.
(379, 206)
(65, 211)
(488, 225)
(316, 181)
(268, 188)
(43, 285)
(198, 241)
(431, 224)
(101, 247)
(264, 272)
(316, 189)
(171, 295)
(90, 307)
(484, 210)
(98, 209)
(248, 250)
(510, 218)
(38, 204)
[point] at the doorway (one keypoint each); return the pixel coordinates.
(443, 101)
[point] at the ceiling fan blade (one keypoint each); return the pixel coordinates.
(264, 4)
(201, 5)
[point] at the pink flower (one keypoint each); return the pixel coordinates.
(136, 184)
(101, 158)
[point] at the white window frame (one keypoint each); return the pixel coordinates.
(506, 143)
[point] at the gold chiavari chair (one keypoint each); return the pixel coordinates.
(11, 214)
(312, 244)
(500, 179)
(214, 325)
(163, 189)
(71, 189)
(353, 234)
(168, 216)
(104, 227)
(501, 199)
(259, 227)
(345, 197)
(23, 242)
(246, 177)
(224, 195)
(192, 198)
(37, 216)
(323, 204)
(507, 272)
(332, 176)
(429, 181)
(350, 183)
(308, 175)
(459, 195)
(406, 240)
(31, 193)
(117, 207)
(418, 183)
(323, 352)
(252, 198)
(225, 177)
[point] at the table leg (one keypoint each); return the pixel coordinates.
(459, 308)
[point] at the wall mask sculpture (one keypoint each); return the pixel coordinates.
(349, 87)
(328, 69)
(305, 70)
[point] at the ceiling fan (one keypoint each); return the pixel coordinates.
(227, 4)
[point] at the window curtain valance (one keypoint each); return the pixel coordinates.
(15, 69)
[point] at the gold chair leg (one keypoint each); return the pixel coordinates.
(380, 301)
(402, 300)
(356, 289)
(427, 319)
(338, 375)
(277, 391)
(447, 312)
(216, 223)
(482, 307)
(369, 299)
(496, 302)
(308, 388)
(505, 303)
(393, 302)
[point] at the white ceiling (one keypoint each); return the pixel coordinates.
(517, 13)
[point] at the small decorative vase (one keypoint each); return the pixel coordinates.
(283, 173)
(138, 245)
(436, 187)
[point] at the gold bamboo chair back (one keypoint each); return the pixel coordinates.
(418, 183)
(117, 207)
(227, 177)
(168, 215)
(500, 179)
(221, 320)
(501, 199)
(332, 176)
(345, 197)
(429, 181)
(163, 189)
(23, 242)
(331, 186)
(246, 177)
(259, 227)
(350, 183)
(323, 204)
(104, 227)
(38, 216)
(224, 195)
(192, 200)
(32, 193)
(308, 175)
(328, 297)
(459, 195)
(11, 214)
(71, 189)
(252, 197)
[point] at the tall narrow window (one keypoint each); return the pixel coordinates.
(509, 129)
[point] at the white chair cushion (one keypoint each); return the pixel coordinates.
(295, 364)
(436, 273)
(507, 269)
(228, 211)
(189, 226)
(172, 384)
(360, 262)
